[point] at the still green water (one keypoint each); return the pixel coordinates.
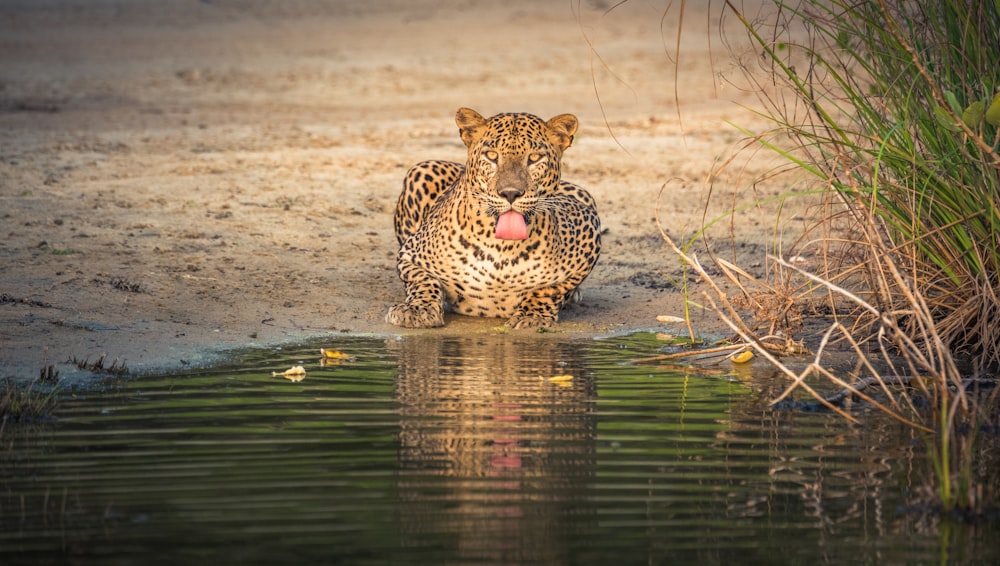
(458, 450)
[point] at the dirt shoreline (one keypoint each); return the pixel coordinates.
(183, 178)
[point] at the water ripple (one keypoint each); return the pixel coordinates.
(457, 450)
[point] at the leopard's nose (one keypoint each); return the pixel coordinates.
(511, 194)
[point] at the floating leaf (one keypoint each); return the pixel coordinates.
(973, 115)
(560, 379)
(296, 373)
(333, 354)
(742, 357)
(945, 119)
(993, 112)
(669, 318)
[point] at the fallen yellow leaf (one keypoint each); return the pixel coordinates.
(296, 373)
(560, 379)
(333, 354)
(742, 357)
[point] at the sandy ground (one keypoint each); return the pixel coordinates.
(183, 177)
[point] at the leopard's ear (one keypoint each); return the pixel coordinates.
(561, 130)
(470, 125)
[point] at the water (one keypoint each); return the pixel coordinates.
(433, 450)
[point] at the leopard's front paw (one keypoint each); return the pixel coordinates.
(530, 321)
(409, 316)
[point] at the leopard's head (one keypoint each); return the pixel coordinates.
(514, 162)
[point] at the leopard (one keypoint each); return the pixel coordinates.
(502, 235)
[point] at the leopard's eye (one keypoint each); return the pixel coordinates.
(492, 155)
(534, 158)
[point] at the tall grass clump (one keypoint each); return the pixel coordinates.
(898, 113)
(893, 106)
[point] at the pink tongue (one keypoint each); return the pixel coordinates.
(511, 226)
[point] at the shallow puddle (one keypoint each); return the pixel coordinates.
(439, 450)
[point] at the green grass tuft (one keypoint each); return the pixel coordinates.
(20, 403)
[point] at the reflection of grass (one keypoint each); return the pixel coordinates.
(891, 106)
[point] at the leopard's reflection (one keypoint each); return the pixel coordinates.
(493, 453)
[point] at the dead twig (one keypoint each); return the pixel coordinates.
(689, 353)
